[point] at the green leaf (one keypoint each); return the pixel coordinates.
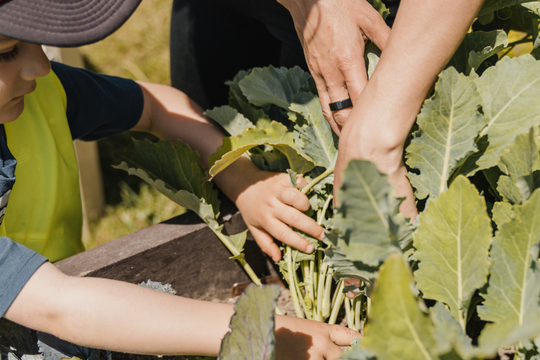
(502, 212)
(398, 328)
(252, 335)
(512, 295)
(345, 268)
(275, 135)
(318, 140)
(491, 6)
(533, 8)
(452, 242)
(173, 169)
(448, 125)
(270, 85)
(520, 158)
(476, 47)
(367, 220)
(229, 119)
(238, 101)
(510, 91)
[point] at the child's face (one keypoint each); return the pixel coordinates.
(20, 64)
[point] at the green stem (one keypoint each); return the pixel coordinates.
(320, 289)
(324, 209)
(348, 313)
(247, 268)
(336, 306)
(315, 181)
(292, 283)
(358, 325)
(327, 305)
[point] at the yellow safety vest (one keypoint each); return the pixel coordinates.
(44, 211)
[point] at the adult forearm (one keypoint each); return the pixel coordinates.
(424, 37)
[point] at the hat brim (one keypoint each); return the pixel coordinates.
(63, 22)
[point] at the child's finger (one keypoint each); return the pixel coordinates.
(300, 221)
(342, 335)
(286, 235)
(294, 198)
(266, 243)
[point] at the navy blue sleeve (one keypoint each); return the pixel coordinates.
(99, 105)
(17, 265)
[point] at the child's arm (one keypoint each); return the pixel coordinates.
(267, 203)
(119, 316)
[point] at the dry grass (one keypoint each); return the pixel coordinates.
(139, 50)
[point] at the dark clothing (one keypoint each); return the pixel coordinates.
(212, 40)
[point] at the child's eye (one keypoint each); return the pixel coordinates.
(9, 55)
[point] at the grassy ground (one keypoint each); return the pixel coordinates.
(139, 50)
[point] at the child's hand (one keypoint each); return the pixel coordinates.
(300, 339)
(270, 206)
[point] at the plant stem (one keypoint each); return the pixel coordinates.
(292, 283)
(348, 313)
(247, 268)
(324, 209)
(336, 306)
(327, 305)
(315, 181)
(320, 290)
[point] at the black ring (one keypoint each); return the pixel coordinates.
(340, 105)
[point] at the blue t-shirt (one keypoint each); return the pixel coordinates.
(97, 106)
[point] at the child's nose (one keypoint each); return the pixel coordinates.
(36, 63)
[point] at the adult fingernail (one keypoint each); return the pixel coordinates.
(310, 249)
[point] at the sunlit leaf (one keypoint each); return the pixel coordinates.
(510, 91)
(252, 335)
(512, 295)
(318, 140)
(229, 119)
(275, 135)
(367, 217)
(452, 242)
(448, 126)
(398, 328)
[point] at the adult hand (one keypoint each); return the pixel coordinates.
(333, 34)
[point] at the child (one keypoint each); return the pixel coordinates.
(41, 112)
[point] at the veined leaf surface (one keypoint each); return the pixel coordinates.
(272, 85)
(510, 91)
(448, 125)
(367, 216)
(452, 242)
(398, 328)
(319, 141)
(253, 326)
(476, 47)
(276, 135)
(170, 167)
(512, 295)
(229, 119)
